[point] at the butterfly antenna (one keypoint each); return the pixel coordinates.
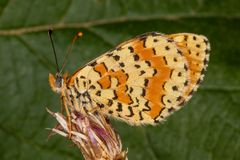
(79, 34)
(54, 51)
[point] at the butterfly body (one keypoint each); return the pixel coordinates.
(141, 81)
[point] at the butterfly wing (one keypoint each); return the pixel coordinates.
(141, 81)
(196, 49)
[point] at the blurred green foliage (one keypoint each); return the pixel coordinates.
(206, 129)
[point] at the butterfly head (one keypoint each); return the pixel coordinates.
(57, 82)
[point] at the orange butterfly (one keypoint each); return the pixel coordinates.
(141, 81)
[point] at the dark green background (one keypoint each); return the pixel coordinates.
(208, 128)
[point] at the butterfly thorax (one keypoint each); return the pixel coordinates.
(75, 98)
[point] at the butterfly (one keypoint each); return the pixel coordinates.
(141, 81)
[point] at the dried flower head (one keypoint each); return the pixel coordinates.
(93, 135)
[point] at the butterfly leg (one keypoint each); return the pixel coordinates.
(68, 116)
(62, 107)
(94, 109)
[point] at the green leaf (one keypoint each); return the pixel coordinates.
(207, 128)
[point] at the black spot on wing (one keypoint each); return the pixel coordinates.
(137, 66)
(100, 105)
(143, 39)
(110, 102)
(199, 81)
(155, 40)
(203, 71)
(179, 74)
(143, 92)
(148, 63)
(146, 81)
(147, 107)
(119, 107)
(142, 72)
(77, 81)
(207, 51)
(137, 100)
(191, 93)
(170, 110)
(205, 61)
(162, 100)
(175, 59)
(121, 64)
(93, 63)
(179, 98)
(167, 48)
(185, 37)
(99, 84)
(115, 95)
(84, 83)
(130, 112)
(92, 87)
(185, 67)
(131, 49)
(175, 88)
(205, 41)
(165, 60)
(136, 57)
(154, 72)
(198, 45)
(98, 93)
(130, 90)
(116, 57)
(154, 51)
(140, 116)
(171, 73)
(156, 119)
(182, 103)
(179, 52)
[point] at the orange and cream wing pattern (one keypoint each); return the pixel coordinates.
(145, 79)
(196, 49)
